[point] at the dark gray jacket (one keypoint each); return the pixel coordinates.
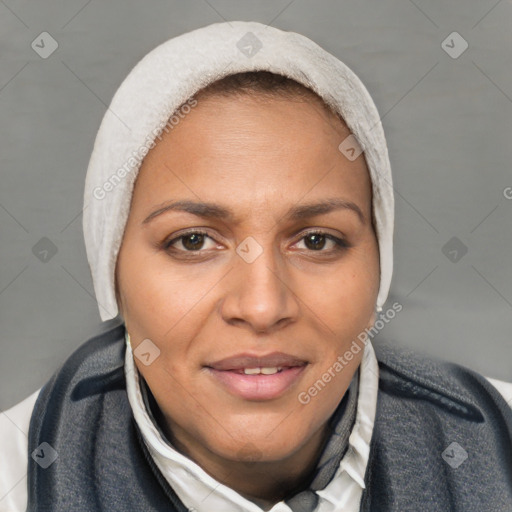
(442, 439)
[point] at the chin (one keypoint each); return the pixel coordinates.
(258, 447)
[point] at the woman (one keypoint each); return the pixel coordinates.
(238, 218)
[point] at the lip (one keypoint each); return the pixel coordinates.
(241, 361)
(260, 387)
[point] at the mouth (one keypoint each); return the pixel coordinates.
(257, 378)
(259, 371)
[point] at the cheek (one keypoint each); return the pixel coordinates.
(157, 294)
(346, 298)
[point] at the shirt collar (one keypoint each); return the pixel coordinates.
(198, 490)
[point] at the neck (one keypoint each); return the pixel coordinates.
(262, 482)
(265, 483)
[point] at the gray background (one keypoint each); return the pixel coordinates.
(447, 121)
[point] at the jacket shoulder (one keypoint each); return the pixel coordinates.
(449, 386)
(432, 417)
(102, 350)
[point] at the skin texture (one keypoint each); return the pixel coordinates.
(258, 156)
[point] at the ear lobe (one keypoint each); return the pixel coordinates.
(372, 320)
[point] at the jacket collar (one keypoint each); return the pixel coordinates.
(415, 374)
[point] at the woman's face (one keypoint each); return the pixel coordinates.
(234, 279)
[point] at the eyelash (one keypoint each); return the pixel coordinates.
(340, 243)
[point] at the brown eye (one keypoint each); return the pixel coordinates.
(193, 241)
(317, 241)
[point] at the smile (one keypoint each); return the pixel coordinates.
(258, 371)
(257, 378)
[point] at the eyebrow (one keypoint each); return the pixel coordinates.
(298, 212)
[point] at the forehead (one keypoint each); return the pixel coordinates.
(255, 151)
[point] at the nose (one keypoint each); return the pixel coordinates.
(260, 293)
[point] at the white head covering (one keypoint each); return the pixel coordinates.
(172, 73)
